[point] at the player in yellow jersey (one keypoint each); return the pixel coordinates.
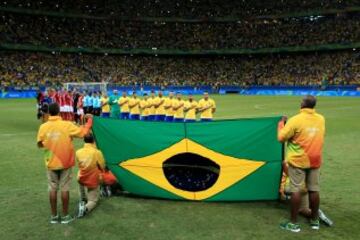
(151, 100)
(105, 107)
(178, 108)
(159, 103)
(190, 108)
(206, 108)
(124, 106)
(134, 106)
(144, 105)
(169, 116)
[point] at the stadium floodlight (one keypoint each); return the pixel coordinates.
(86, 86)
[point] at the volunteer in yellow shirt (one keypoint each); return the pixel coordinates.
(206, 108)
(105, 107)
(91, 163)
(159, 103)
(134, 106)
(304, 134)
(169, 116)
(190, 108)
(151, 101)
(178, 108)
(144, 105)
(55, 136)
(124, 106)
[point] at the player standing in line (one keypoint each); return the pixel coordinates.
(178, 108)
(159, 103)
(124, 106)
(151, 102)
(91, 163)
(134, 106)
(114, 106)
(80, 109)
(105, 107)
(169, 117)
(144, 105)
(206, 108)
(190, 109)
(96, 104)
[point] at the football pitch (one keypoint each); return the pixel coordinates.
(24, 207)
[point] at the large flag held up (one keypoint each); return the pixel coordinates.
(228, 160)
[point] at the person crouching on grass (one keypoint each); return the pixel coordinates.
(91, 163)
(55, 137)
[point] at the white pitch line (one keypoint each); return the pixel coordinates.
(15, 134)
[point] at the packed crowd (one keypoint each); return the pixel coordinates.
(186, 9)
(79, 33)
(21, 70)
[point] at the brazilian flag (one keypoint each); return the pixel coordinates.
(229, 160)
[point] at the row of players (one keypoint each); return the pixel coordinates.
(154, 108)
(73, 106)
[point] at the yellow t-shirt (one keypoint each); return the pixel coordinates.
(168, 104)
(210, 104)
(105, 105)
(179, 113)
(125, 107)
(191, 113)
(89, 159)
(135, 102)
(144, 105)
(160, 110)
(152, 108)
(304, 134)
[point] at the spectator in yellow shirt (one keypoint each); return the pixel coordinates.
(304, 134)
(55, 136)
(124, 106)
(144, 105)
(159, 103)
(178, 108)
(169, 117)
(134, 106)
(206, 108)
(91, 163)
(105, 107)
(190, 109)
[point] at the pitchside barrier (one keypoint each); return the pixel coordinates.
(226, 160)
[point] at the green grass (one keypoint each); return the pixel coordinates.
(24, 207)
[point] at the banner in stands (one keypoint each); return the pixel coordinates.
(229, 160)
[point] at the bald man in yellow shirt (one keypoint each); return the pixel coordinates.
(206, 108)
(190, 109)
(178, 108)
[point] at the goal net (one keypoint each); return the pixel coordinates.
(86, 86)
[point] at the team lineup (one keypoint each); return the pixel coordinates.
(173, 108)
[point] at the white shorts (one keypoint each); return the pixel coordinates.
(62, 109)
(80, 111)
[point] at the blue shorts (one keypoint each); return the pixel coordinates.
(151, 117)
(160, 118)
(178, 120)
(144, 118)
(206, 120)
(124, 115)
(134, 116)
(169, 118)
(105, 115)
(189, 120)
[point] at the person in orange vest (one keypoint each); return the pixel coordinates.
(90, 162)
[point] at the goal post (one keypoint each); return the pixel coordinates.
(86, 86)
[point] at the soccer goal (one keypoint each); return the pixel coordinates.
(86, 86)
